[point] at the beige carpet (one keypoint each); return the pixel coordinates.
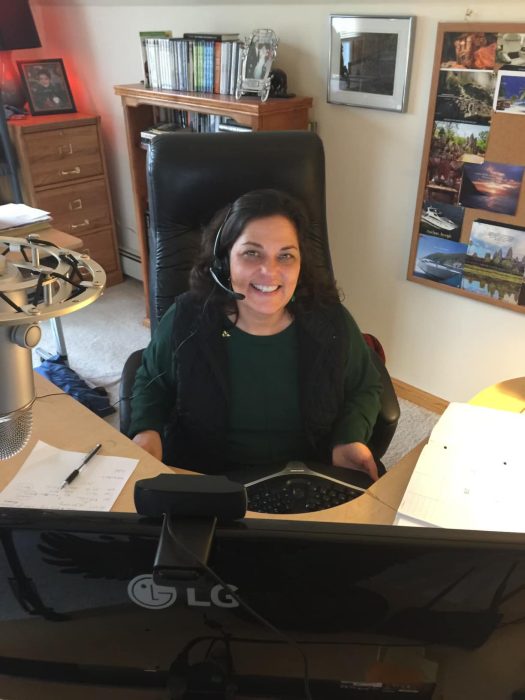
(100, 337)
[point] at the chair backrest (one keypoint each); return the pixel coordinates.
(191, 176)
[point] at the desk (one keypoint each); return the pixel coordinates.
(79, 428)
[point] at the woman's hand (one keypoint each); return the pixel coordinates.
(150, 441)
(355, 455)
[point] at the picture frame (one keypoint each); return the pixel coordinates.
(369, 61)
(46, 86)
(258, 53)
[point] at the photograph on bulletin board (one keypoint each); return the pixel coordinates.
(439, 259)
(491, 187)
(510, 49)
(444, 221)
(465, 96)
(469, 50)
(510, 92)
(453, 144)
(494, 265)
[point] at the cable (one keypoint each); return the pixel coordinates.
(179, 346)
(249, 609)
(12, 304)
(44, 396)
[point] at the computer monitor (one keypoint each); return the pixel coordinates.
(78, 604)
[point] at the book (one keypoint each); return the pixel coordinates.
(163, 34)
(233, 36)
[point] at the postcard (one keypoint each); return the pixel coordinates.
(465, 96)
(440, 260)
(441, 219)
(495, 261)
(511, 49)
(510, 92)
(491, 186)
(469, 50)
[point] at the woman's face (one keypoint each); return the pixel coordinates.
(265, 262)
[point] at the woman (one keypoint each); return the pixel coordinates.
(259, 363)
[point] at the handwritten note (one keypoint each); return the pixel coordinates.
(471, 474)
(37, 483)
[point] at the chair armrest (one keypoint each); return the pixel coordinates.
(389, 412)
(126, 387)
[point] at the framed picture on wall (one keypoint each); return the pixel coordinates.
(369, 61)
(46, 86)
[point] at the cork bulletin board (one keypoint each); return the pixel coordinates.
(469, 225)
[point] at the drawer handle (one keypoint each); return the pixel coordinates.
(75, 171)
(75, 204)
(66, 150)
(85, 223)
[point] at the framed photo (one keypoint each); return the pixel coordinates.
(257, 57)
(46, 86)
(369, 61)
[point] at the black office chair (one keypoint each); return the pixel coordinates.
(191, 176)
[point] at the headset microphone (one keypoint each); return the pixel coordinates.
(235, 295)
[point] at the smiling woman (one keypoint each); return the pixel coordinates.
(264, 266)
(259, 363)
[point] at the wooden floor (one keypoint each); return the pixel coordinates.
(419, 397)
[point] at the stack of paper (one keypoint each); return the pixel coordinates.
(471, 474)
(20, 218)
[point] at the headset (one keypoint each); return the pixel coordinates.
(220, 267)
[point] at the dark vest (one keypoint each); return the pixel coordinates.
(196, 436)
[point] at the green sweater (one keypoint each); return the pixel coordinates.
(265, 424)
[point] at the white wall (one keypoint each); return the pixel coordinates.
(441, 343)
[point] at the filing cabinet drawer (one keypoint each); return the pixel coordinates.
(79, 208)
(100, 247)
(62, 155)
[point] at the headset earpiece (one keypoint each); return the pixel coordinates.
(220, 266)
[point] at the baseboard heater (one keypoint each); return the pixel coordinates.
(131, 263)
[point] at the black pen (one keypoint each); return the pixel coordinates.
(76, 471)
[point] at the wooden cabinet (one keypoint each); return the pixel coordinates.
(138, 104)
(63, 171)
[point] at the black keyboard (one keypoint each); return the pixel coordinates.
(300, 489)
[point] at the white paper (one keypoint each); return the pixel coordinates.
(471, 474)
(37, 483)
(20, 214)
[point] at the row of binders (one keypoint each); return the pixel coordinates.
(192, 64)
(168, 119)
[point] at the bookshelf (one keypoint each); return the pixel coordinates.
(138, 103)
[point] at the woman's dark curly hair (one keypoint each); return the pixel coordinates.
(315, 286)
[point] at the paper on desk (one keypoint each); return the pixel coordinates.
(20, 214)
(37, 483)
(471, 474)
